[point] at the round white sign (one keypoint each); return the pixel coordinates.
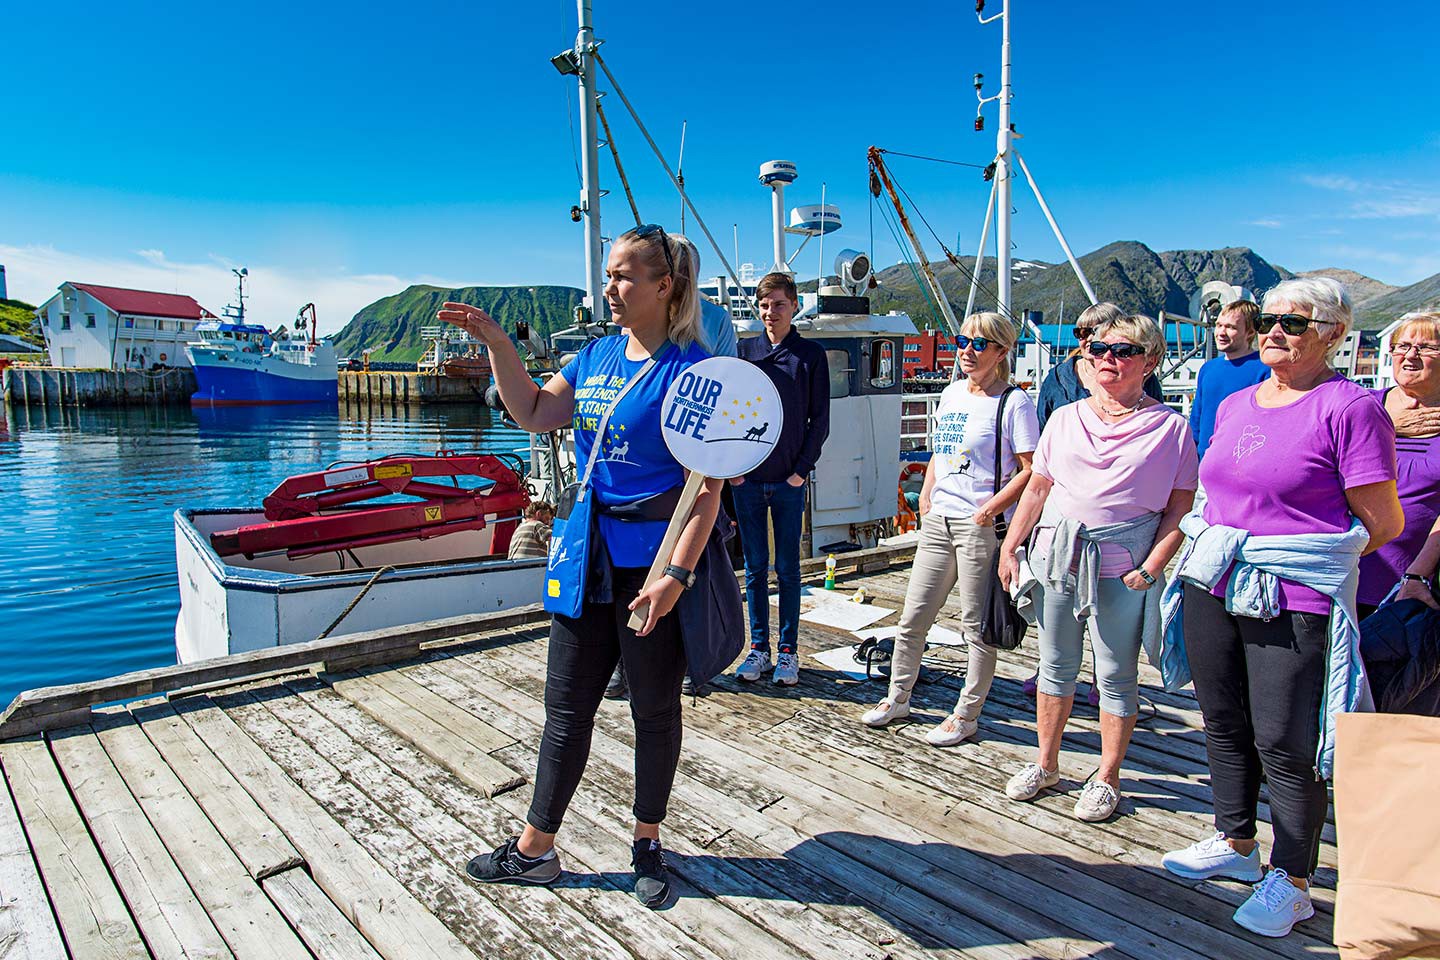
(721, 417)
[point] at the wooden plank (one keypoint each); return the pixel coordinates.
(56, 706)
(391, 919)
(253, 836)
(91, 914)
(460, 722)
(429, 847)
(443, 744)
(171, 920)
(27, 925)
(241, 912)
(320, 924)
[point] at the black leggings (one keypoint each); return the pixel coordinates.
(583, 653)
(1260, 684)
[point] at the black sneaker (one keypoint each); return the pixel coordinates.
(688, 688)
(507, 863)
(652, 879)
(617, 687)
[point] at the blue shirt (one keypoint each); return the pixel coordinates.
(717, 331)
(1218, 378)
(635, 462)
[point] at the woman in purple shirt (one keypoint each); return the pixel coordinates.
(1415, 346)
(1304, 452)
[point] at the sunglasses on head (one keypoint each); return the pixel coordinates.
(648, 230)
(1294, 324)
(1120, 351)
(979, 343)
(1083, 333)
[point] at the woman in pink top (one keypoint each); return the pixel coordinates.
(1115, 471)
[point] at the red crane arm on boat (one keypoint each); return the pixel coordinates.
(297, 525)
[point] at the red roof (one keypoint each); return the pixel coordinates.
(145, 303)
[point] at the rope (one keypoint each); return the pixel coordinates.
(916, 156)
(358, 597)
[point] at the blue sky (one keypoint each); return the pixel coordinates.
(342, 151)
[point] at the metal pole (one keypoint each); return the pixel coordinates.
(878, 165)
(615, 155)
(980, 254)
(777, 225)
(1074, 264)
(590, 163)
(1003, 141)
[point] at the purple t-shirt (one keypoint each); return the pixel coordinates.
(1418, 477)
(1281, 470)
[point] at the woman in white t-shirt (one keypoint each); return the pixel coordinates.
(959, 504)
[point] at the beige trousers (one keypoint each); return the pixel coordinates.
(951, 554)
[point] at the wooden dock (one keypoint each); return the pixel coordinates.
(272, 810)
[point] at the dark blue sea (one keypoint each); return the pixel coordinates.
(87, 568)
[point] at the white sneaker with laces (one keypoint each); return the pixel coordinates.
(953, 730)
(884, 712)
(787, 670)
(1031, 779)
(1097, 801)
(1213, 857)
(754, 666)
(1275, 906)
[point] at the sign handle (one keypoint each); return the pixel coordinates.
(683, 509)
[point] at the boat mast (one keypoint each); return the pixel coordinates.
(1003, 141)
(584, 59)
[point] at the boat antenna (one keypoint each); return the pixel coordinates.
(240, 276)
(680, 174)
(820, 271)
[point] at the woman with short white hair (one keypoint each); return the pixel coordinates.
(1113, 475)
(1299, 481)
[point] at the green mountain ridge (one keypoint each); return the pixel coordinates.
(17, 319)
(391, 325)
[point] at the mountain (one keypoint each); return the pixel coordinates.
(16, 320)
(392, 324)
(1363, 289)
(1378, 313)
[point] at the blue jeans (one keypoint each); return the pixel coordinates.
(786, 507)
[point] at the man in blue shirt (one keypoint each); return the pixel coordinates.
(776, 488)
(1238, 366)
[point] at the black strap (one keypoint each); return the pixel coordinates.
(999, 440)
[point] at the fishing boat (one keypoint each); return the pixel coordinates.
(237, 362)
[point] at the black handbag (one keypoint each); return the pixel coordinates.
(1001, 625)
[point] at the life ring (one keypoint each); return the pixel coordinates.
(906, 518)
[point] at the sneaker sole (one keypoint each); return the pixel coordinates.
(1275, 934)
(1031, 796)
(1190, 874)
(520, 878)
(1095, 818)
(785, 683)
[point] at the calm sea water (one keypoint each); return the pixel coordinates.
(87, 568)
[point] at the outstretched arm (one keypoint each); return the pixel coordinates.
(537, 409)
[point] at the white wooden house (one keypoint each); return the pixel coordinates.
(112, 328)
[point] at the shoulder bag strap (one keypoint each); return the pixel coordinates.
(605, 418)
(1000, 523)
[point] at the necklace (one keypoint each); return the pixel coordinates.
(1123, 411)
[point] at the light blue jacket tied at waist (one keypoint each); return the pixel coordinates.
(1328, 563)
(1073, 565)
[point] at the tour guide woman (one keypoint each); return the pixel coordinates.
(1299, 481)
(652, 295)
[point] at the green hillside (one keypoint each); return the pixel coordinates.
(16, 320)
(1419, 297)
(392, 325)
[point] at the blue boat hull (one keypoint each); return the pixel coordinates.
(220, 385)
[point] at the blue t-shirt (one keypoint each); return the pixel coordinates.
(1218, 378)
(635, 462)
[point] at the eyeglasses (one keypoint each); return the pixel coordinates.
(1295, 324)
(1120, 351)
(648, 230)
(1083, 333)
(979, 343)
(1424, 350)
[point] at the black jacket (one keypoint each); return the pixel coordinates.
(801, 375)
(1400, 644)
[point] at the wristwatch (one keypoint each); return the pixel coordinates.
(686, 577)
(1427, 581)
(1145, 575)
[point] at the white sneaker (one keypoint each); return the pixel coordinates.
(1031, 779)
(884, 712)
(1213, 857)
(1275, 906)
(1097, 801)
(955, 729)
(787, 670)
(755, 666)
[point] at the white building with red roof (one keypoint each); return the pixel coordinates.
(112, 328)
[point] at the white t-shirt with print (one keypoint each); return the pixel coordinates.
(962, 445)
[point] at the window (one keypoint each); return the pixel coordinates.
(130, 322)
(45, 319)
(90, 321)
(159, 324)
(64, 321)
(882, 364)
(839, 363)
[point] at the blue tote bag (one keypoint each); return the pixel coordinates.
(569, 557)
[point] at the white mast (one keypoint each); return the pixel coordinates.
(584, 60)
(1003, 140)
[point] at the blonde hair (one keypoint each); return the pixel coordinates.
(683, 322)
(1093, 316)
(1139, 330)
(1428, 322)
(998, 331)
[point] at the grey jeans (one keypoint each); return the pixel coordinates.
(1114, 642)
(951, 554)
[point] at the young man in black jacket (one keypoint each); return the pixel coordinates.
(776, 488)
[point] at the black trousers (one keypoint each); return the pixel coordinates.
(583, 654)
(1260, 685)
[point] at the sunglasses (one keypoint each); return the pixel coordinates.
(1083, 333)
(1294, 324)
(979, 343)
(1120, 351)
(648, 230)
